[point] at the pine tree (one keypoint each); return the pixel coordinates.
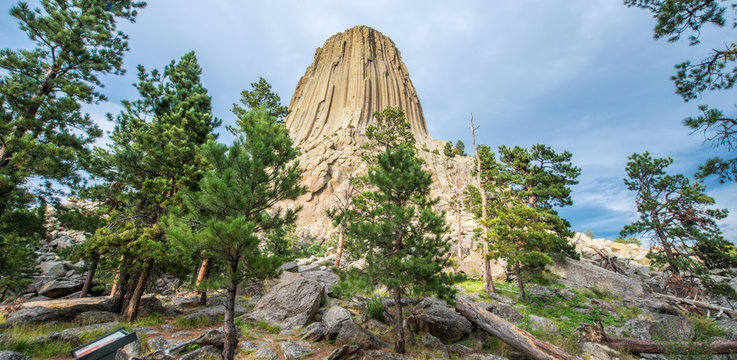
(236, 205)
(526, 184)
(675, 215)
(261, 96)
(394, 227)
(43, 133)
(717, 71)
(153, 156)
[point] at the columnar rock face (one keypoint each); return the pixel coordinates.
(354, 74)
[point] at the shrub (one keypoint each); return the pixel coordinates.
(375, 308)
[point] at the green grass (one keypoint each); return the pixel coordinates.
(19, 338)
(249, 326)
(150, 320)
(197, 322)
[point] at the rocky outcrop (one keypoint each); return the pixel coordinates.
(434, 317)
(580, 274)
(354, 74)
(290, 304)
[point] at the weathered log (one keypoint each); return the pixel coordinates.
(699, 304)
(592, 333)
(610, 260)
(509, 333)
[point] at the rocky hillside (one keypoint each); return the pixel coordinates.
(302, 315)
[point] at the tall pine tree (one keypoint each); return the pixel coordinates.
(236, 205)
(153, 156)
(44, 136)
(393, 226)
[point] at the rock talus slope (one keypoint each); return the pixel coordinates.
(354, 74)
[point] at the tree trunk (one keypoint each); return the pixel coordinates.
(339, 254)
(520, 284)
(399, 342)
(595, 334)
(120, 291)
(512, 335)
(231, 335)
(116, 278)
(459, 232)
(131, 311)
(201, 276)
(90, 275)
(488, 282)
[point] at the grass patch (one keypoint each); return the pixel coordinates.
(21, 338)
(375, 308)
(598, 293)
(197, 321)
(249, 326)
(150, 320)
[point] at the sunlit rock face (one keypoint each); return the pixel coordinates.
(354, 74)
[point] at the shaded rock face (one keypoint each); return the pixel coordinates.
(580, 274)
(354, 74)
(434, 317)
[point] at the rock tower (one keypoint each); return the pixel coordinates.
(354, 74)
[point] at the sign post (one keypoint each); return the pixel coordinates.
(104, 347)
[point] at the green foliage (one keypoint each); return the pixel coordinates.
(448, 150)
(393, 225)
(235, 204)
(261, 96)
(589, 233)
(153, 157)
(628, 240)
(539, 175)
(44, 135)
(522, 187)
(391, 130)
(675, 215)
(451, 151)
(460, 148)
(717, 71)
(375, 308)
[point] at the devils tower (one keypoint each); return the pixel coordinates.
(354, 74)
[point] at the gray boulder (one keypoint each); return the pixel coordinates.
(213, 337)
(56, 310)
(265, 354)
(504, 311)
(579, 274)
(433, 316)
(293, 350)
(383, 355)
(332, 320)
(12, 355)
(434, 343)
(314, 332)
(352, 333)
(251, 346)
(52, 268)
(157, 343)
(344, 352)
(203, 353)
(59, 287)
(212, 313)
(290, 304)
(326, 278)
(290, 266)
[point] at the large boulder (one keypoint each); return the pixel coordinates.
(579, 274)
(203, 353)
(36, 312)
(290, 304)
(433, 316)
(326, 278)
(351, 333)
(59, 287)
(52, 268)
(293, 350)
(333, 319)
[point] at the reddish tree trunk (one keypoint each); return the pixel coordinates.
(339, 254)
(488, 282)
(231, 334)
(201, 276)
(132, 310)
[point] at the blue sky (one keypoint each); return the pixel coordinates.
(580, 75)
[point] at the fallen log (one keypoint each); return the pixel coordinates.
(509, 333)
(609, 260)
(594, 334)
(699, 304)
